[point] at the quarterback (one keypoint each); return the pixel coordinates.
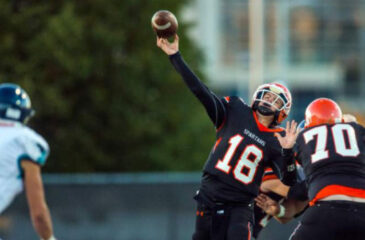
(248, 141)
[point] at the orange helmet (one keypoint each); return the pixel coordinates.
(282, 93)
(321, 111)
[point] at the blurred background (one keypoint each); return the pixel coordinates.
(128, 140)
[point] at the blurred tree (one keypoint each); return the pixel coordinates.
(106, 97)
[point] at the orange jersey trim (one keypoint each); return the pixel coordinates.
(6, 124)
(269, 177)
(227, 99)
(249, 231)
(262, 128)
(337, 190)
(217, 143)
(221, 126)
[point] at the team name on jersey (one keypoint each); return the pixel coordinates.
(254, 137)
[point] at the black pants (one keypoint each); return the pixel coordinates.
(223, 222)
(332, 220)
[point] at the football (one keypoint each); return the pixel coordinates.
(164, 23)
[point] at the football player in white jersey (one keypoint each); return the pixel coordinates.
(22, 153)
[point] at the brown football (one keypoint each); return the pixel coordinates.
(164, 23)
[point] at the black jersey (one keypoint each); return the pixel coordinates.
(244, 147)
(333, 157)
(235, 166)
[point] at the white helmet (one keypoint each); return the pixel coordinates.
(281, 92)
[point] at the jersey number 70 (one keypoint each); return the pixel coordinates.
(243, 161)
(338, 130)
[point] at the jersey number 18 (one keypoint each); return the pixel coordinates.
(243, 161)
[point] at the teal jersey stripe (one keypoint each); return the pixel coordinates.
(40, 160)
(20, 158)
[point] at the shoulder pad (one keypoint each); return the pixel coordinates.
(33, 145)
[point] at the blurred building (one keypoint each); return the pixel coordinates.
(317, 48)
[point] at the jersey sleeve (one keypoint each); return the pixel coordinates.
(34, 148)
(214, 105)
(269, 174)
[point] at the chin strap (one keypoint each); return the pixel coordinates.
(274, 122)
(266, 111)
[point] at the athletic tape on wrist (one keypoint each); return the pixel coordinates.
(50, 238)
(281, 212)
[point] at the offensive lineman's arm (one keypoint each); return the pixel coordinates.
(283, 213)
(276, 186)
(213, 104)
(38, 208)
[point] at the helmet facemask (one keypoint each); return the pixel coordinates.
(267, 106)
(281, 95)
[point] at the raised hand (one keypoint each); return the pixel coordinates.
(291, 134)
(167, 47)
(270, 206)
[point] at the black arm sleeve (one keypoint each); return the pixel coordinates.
(289, 171)
(285, 167)
(213, 104)
(299, 191)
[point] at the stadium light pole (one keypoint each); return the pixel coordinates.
(256, 45)
(282, 33)
(362, 54)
